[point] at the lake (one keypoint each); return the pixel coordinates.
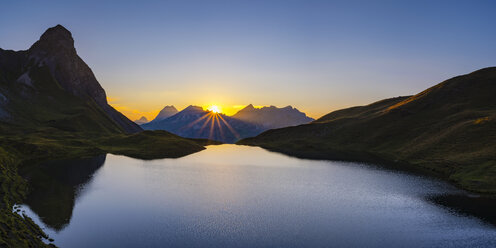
(240, 196)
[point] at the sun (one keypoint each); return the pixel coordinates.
(214, 109)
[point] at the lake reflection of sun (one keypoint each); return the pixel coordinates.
(214, 109)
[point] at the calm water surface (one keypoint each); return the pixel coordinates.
(238, 196)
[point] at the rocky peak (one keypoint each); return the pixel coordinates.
(55, 50)
(192, 108)
(141, 120)
(168, 108)
(166, 112)
(248, 108)
(54, 40)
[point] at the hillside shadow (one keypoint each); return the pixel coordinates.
(54, 187)
(482, 207)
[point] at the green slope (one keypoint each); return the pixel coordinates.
(448, 129)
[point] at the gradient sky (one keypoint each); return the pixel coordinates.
(317, 56)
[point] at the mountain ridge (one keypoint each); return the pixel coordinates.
(272, 116)
(194, 122)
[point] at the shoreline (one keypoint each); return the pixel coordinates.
(365, 157)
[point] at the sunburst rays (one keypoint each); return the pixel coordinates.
(216, 124)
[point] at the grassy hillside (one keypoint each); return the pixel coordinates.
(448, 130)
(44, 103)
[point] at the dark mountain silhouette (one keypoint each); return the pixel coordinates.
(448, 129)
(194, 122)
(272, 117)
(55, 186)
(165, 113)
(49, 84)
(141, 120)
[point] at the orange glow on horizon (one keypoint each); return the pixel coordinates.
(131, 113)
(134, 113)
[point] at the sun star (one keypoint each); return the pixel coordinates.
(214, 109)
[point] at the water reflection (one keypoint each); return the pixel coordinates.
(237, 196)
(481, 207)
(55, 185)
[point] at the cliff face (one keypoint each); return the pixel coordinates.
(51, 63)
(55, 49)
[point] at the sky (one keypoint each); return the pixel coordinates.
(317, 56)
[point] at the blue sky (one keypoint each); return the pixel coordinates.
(318, 56)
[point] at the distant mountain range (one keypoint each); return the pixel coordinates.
(448, 129)
(165, 113)
(272, 117)
(194, 122)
